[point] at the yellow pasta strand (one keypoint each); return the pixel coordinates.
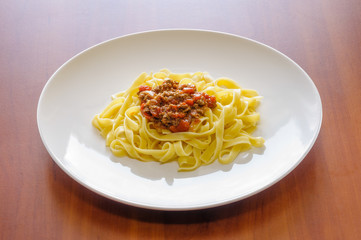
(221, 134)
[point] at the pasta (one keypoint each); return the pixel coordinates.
(220, 133)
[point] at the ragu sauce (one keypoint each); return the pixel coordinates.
(173, 106)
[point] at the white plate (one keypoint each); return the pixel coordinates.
(291, 114)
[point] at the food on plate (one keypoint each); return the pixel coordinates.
(174, 106)
(189, 118)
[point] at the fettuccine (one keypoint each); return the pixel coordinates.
(221, 133)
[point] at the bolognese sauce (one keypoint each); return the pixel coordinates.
(174, 106)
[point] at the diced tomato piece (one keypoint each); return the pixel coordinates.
(190, 102)
(196, 97)
(173, 129)
(211, 101)
(142, 106)
(211, 104)
(147, 116)
(144, 88)
(188, 90)
(183, 126)
(206, 96)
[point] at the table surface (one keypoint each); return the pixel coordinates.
(320, 199)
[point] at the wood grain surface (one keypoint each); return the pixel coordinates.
(320, 199)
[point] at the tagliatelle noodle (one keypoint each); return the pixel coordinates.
(221, 134)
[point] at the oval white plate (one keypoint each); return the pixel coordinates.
(291, 114)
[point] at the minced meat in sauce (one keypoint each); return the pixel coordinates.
(173, 106)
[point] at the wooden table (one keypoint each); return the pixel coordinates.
(320, 199)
